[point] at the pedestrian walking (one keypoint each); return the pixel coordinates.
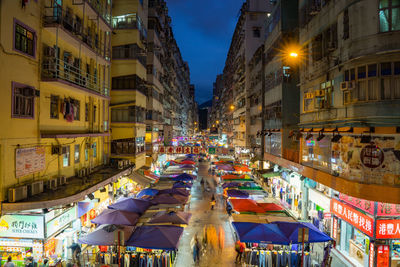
(9, 262)
(238, 253)
(212, 202)
(196, 248)
(229, 208)
(221, 239)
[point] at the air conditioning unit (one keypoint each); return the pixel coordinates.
(127, 163)
(35, 188)
(52, 184)
(121, 164)
(350, 85)
(82, 172)
(55, 149)
(61, 180)
(308, 95)
(319, 93)
(17, 193)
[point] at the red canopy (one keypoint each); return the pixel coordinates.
(271, 206)
(246, 205)
(187, 162)
(230, 176)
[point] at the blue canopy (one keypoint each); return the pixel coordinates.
(260, 233)
(183, 177)
(156, 237)
(232, 184)
(132, 205)
(105, 235)
(177, 191)
(147, 192)
(120, 217)
(84, 207)
(237, 193)
(181, 185)
(291, 231)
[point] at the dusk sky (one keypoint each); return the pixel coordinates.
(203, 30)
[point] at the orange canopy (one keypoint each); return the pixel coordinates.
(242, 168)
(230, 176)
(271, 206)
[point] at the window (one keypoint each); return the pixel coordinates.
(86, 111)
(308, 101)
(317, 48)
(94, 149)
(389, 15)
(94, 113)
(86, 152)
(24, 39)
(54, 110)
(346, 25)
(256, 32)
(23, 101)
(65, 151)
(76, 154)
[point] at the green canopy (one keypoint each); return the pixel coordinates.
(271, 174)
(250, 188)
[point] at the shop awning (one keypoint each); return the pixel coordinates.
(141, 179)
(271, 174)
(73, 192)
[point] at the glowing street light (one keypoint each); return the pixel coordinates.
(232, 107)
(293, 54)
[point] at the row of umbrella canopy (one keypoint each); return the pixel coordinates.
(280, 233)
(249, 205)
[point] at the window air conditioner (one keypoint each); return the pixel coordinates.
(52, 184)
(17, 193)
(35, 188)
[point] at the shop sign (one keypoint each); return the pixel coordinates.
(178, 150)
(24, 226)
(92, 214)
(320, 199)
(334, 232)
(386, 209)
(365, 205)
(371, 156)
(352, 216)
(211, 150)
(50, 246)
(382, 256)
(387, 229)
(371, 254)
(60, 221)
(29, 160)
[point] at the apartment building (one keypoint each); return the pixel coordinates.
(129, 87)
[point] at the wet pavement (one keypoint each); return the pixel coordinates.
(203, 215)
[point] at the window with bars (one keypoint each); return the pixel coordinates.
(54, 106)
(23, 101)
(24, 39)
(389, 15)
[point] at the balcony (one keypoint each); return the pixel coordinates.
(54, 69)
(131, 51)
(103, 10)
(74, 33)
(128, 22)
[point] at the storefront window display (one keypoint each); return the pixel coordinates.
(395, 248)
(288, 190)
(316, 153)
(273, 144)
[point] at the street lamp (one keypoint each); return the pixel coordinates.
(232, 107)
(293, 54)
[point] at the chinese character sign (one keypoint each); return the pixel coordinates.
(387, 229)
(382, 256)
(386, 209)
(25, 226)
(352, 216)
(196, 150)
(365, 205)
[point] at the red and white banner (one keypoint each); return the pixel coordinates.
(352, 216)
(386, 229)
(179, 150)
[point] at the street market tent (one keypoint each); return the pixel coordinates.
(105, 235)
(246, 205)
(237, 193)
(164, 237)
(169, 199)
(177, 191)
(225, 167)
(151, 175)
(242, 169)
(280, 218)
(187, 167)
(245, 176)
(249, 218)
(230, 185)
(271, 206)
(147, 192)
(173, 217)
(271, 174)
(291, 231)
(132, 205)
(182, 185)
(230, 176)
(183, 177)
(120, 217)
(260, 233)
(190, 162)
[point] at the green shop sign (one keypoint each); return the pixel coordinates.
(59, 222)
(25, 226)
(211, 150)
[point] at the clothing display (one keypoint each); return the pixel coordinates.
(276, 258)
(138, 259)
